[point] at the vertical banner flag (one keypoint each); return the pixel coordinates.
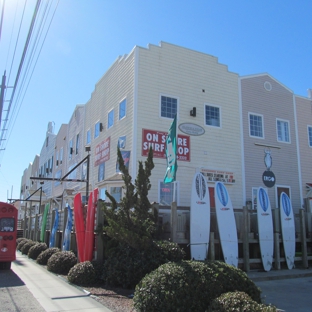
(171, 152)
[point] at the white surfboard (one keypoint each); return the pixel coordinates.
(288, 229)
(199, 218)
(265, 228)
(226, 224)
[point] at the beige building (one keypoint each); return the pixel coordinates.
(133, 106)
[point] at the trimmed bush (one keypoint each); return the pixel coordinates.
(61, 262)
(189, 286)
(36, 250)
(18, 240)
(46, 255)
(82, 274)
(126, 266)
(237, 302)
(27, 246)
(22, 243)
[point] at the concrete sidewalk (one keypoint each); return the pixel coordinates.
(52, 292)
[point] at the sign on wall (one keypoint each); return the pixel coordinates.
(218, 175)
(157, 140)
(102, 152)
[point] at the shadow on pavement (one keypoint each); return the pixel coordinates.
(9, 279)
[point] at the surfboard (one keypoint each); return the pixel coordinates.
(68, 228)
(265, 228)
(226, 224)
(89, 238)
(79, 226)
(199, 218)
(288, 230)
(54, 229)
(44, 223)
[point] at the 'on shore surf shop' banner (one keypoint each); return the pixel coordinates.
(102, 152)
(157, 140)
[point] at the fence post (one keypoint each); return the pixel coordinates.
(303, 237)
(246, 239)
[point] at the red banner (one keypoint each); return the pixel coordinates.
(102, 152)
(157, 140)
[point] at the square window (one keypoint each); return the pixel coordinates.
(101, 172)
(212, 116)
(255, 126)
(116, 193)
(122, 109)
(283, 131)
(168, 107)
(310, 135)
(110, 121)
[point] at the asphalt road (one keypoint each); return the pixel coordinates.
(15, 296)
(290, 295)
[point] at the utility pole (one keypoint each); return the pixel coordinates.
(2, 96)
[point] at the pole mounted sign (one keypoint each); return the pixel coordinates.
(268, 176)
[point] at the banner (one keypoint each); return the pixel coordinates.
(171, 152)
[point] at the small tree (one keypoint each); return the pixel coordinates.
(132, 222)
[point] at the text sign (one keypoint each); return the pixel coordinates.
(102, 152)
(218, 175)
(157, 140)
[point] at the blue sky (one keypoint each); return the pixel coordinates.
(86, 36)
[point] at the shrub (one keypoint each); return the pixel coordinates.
(237, 302)
(126, 266)
(20, 239)
(22, 243)
(82, 274)
(188, 286)
(36, 250)
(98, 267)
(61, 262)
(27, 246)
(46, 255)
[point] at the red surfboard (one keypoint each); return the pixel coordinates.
(89, 238)
(79, 226)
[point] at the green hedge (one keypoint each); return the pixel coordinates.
(190, 286)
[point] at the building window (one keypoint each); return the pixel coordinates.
(101, 172)
(166, 193)
(102, 194)
(57, 159)
(310, 135)
(212, 116)
(61, 155)
(77, 143)
(122, 109)
(255, 125)
(282, 130)
(168, 107)
(116, 193)
(70, 150)
(110, 120)
(97, 129)
(88, 138)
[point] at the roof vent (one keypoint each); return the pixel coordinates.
(267, 86)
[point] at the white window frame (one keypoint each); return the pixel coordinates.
(168, 96)
(177, 191)
(309, 138)
(109, 118)
(283, 121)
(220, 115)
(262, 125)
(124, 101)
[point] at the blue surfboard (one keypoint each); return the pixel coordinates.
(54, 230)
(68, 228)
